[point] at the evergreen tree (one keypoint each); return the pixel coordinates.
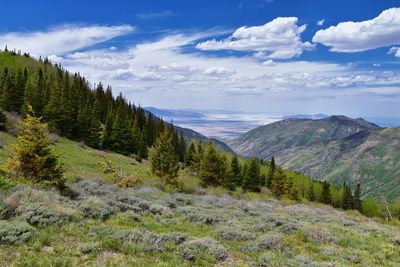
(182, 148)
(164, 160)
(106, 141)
(292, 190)
(189, 156)
(142, 145)
(347, 200)
(252, 181)
(357, 198)
(235, 177)
(271, 173)
(326, 195)
(93, 139)
(198, 156)
(212, 167)
(311, 193)
(3, 121)
(33, 158)
(279, 182)
(5, 97)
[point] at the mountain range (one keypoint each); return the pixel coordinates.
(336, 148)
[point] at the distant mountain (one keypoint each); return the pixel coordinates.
(175, 113)
(336, 148)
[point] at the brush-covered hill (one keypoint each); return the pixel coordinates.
(101, 224)
(335, 148)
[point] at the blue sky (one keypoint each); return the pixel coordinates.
(273, 57)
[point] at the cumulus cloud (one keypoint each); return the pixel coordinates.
(278, 39)
(350, 36)
(269, 63)
(61, 40)
(395, 50)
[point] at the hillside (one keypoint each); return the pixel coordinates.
(100, 224)
(336, 148)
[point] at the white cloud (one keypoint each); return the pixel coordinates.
(61, 40)
(395, 50)
(269, 63)
(350, 36)
(219, 71)
(320, 22)
(279, 39)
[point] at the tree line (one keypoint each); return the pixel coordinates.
(73, 108)
(220, 169)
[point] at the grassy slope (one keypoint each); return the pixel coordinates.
(321, 235)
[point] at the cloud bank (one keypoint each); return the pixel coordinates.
(350, 36)
(278, 39)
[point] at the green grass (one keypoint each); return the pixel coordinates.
(84, 161)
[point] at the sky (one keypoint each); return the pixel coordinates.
(264, 56)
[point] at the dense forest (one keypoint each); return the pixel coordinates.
(75, 109)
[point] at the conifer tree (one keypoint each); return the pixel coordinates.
(212, 167)
(3, 121)
(93, 139)
(189, 156)
(347, 200)
(235, 177)
(252, 181)
(271, 173)
(198, 156)
(326, 195)
(142, 145)
(311, 193)
(32, 157)
(5, 97)
(357, 198)
(292, 190)
(164, 160)
(279, 182)
(182, 148)
(106, 141)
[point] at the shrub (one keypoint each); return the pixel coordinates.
(11, 232)
(200, 216)
(201, 248)
(273, 241)
(234, 234)
(319, 235)
(96, 208)
(156, 209)
(89, 247)
(40, 215)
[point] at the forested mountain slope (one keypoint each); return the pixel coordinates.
(336, 148)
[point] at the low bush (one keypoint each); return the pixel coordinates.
(234, 234)
(11, 232)
(203, 248)
(319, 235)
(96, 208)
(272, 241)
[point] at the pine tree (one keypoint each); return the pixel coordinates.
(212, 167)
(347, 197)
(198, 156)
(271, 173)
(357, 198)
(279, 182)
(252, 181)
(326, 195)
(311, 193)
(142, 145)
(5, 97)
(292, 190)
(182, 148)
(164, 160)
(33, 158)
(189, 156)
(235, 177)
(93, 139)
(3, 121)
(106, 141)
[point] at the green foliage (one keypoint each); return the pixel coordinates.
(326, 195)
(164, 160)
(271, 173)
(279, 183)
(252, 179)
(234, 176)
(212, 167)
(3, 121)
(11, 232)
(32, 157)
